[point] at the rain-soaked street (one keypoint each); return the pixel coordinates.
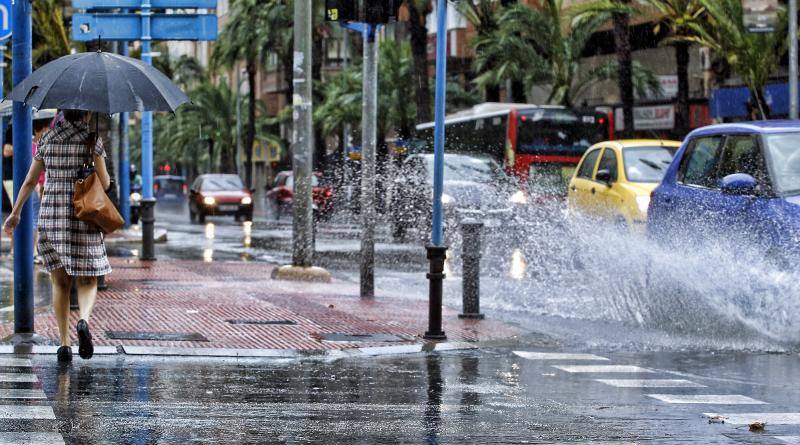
(602, 359)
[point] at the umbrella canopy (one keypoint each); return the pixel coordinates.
(102, 82)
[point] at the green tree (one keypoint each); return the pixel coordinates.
(677, 16)
(418, 11)
(754, 57)
(51, 36)
(620, 12)
(245, 37)
(537, 46)
(482, 14)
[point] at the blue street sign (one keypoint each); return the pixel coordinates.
(89, 27)
(5, 19)
(137, 4)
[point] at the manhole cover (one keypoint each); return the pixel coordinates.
(339, 336)
(157, 336)
(279, 322)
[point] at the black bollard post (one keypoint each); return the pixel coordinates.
(147, 208)
(471, 266)
(101, 283)
(436, 256)
(73, 296)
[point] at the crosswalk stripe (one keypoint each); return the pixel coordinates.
(708, 399)
(11, 377)
(792, 440)
(748, 418)
(602, 369)
(26, 412)
(20, 393)
(530, 355)
(15, 362)
(650, 383)
(31, 438)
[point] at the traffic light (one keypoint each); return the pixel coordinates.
(341, 10)
(372, 11)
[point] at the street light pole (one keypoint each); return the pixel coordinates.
(302, 137)
(22, 130)
(239, 120)
(124, 157)
(368, 143)
(148, 202)
(437, 252)
(793, 59)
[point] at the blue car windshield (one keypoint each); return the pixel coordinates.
(783, 152)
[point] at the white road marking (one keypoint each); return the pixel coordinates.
(602, 368)
(770, 418)
(26, 412)
(708, 399)
(20, 393)
(31, 438)
(791, 440)
(651, 383)
(16, 362)
(26, 378)
(557, 356)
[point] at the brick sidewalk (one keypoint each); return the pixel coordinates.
(193, 297)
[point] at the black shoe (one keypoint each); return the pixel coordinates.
(65, 354)
(85, 347)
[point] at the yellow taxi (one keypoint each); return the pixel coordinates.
(614, 179)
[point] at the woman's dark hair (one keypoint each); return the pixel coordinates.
(74, 115)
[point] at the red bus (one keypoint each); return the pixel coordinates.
(540, 145)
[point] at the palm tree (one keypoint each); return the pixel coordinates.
(754, 57)
(418, 11)
(620, 11)
(532, 46)
(50, 32)
(482, 14)
(677, 15)
(245, 38)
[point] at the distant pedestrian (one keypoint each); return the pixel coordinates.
(70, 248)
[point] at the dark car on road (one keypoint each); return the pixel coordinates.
(281, 196)
(170, 189)
(738, 183)
(474, 187)
(219, 194)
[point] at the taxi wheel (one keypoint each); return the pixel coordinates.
(201, 217)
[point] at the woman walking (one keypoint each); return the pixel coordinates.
(71, 249)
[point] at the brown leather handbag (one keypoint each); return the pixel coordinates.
(91, 203)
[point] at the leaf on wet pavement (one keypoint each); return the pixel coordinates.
(757, 426)
(717, 419)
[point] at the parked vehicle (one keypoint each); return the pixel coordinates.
(170, 189)
(219, 194)
(473, 187)
(281, 195)
(734, 182)
(615, 178)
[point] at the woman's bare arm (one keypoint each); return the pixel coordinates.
(102, 172)
(37, 167)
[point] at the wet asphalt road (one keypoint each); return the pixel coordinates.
(482, 397)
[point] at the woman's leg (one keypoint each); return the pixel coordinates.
(61, 285)
(87, 292)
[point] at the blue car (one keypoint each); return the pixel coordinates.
(733, 183)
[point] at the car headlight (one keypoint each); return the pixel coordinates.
(643, 202)
(136, 197)
(518, 197)
(447, 199)
(247, 200)
(209, 201)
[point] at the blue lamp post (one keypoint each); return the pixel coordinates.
(437, 252)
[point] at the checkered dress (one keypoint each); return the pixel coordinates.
(65, 241)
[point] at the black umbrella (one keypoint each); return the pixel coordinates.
(102, 82)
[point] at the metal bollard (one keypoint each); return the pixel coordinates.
(471, 260)
(147, 207)
(436, 256)
(101, 283)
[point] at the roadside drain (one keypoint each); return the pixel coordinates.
(156, 336)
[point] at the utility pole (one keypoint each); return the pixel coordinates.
(368, 143)
(346, 129)
(22, 130)
(793, 59)
(124, 156)
(148, 202)
(302, 137)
